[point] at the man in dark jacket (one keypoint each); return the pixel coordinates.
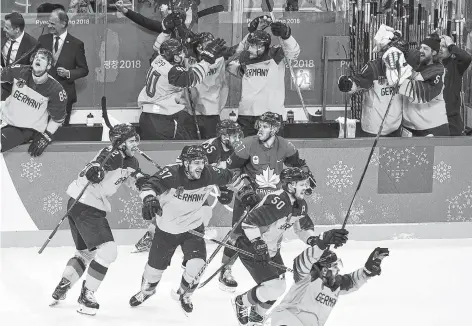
(456, 61)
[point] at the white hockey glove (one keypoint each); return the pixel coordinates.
(397, 70)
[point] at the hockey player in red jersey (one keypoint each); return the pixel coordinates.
(317, 284)
(263, 231)
(217, 151)
(36, 107)
(262, 69)
(261, 158)
(163, 116)
(93, 238)
(174, 196)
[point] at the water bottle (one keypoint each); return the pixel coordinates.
(232, 116)
(290, 116)
(90, 120)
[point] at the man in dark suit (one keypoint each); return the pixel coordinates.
(69, 56)
(15, 44)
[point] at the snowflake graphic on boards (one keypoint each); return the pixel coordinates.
(131, 211)
(31, 170)
(52, 203)
(397, 162)
(314, 198)
(268, 179)
(459, 207)
(339, 176)
(442, 172)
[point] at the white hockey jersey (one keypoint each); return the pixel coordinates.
(309, 300)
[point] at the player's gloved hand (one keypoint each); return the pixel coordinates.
(171, 22)
(281, 29)
(239, 182)
(213, 50)
(248, 196)
(336, 237)
(41, 140)
(260, 23)
(345, 84)
(391, 58)
(94, 172)
(141, 180)
(151, 207)
(399, 42)
(261, 252)
(372, 266)
(226, 196)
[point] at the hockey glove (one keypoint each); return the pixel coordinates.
(226, 196)
(213, 50)
(336, 237)
(259, 23)
(41, 140)
(281, 29)
(311, 178)
(345, 84)
(248, 196)
(261, 252)
(372, 266)
(171, 22)
(151, 207)
(94, 172)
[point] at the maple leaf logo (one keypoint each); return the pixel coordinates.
(268, 179)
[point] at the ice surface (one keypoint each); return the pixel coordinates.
(424, 283)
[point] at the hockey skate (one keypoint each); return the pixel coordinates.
(227, 281)
(185, 302)
(139, 298)
(60, 292)
(144, 244)
(255, 319)
(240, 310)
(88, 303)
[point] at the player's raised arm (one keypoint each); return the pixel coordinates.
(240, 155)
(289, 46)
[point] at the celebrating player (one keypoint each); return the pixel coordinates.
(176, 194)
(217, 150)
(317, 285)
(262, 70)
(94, 242)
(261, 158)
(163, 115)
(36, 107)
(262, 235)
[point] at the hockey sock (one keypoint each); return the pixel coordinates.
(151, 277)
(95, 275)
(74, 270)
(192, 268)
(227, 254)
(250, 297)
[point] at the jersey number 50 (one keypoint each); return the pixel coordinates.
(152, 77)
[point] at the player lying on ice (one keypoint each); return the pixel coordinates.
(263, 231)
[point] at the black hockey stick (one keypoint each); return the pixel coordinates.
(225, 239)
(194, 113)
(210, 11)
(241, 251)
(212, 276)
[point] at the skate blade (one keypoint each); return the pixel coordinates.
(54, 303)
(138, 251)
(233, 304)
(87, 311)
(227, 288)
(176, 297)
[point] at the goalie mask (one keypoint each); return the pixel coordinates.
(327, 269)
(229, 132)
(124, 137)
(268, 125)
(193, 159)
(295, 181)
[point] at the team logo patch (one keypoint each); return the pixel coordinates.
(179, 191)
(255, 159)
(20, 83)
(382, 80)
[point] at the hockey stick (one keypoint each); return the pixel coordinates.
(194, 113)
(225, 239)
(210, 11)
(75, 201)
(230, 261)
(241, 251)
(289, 64)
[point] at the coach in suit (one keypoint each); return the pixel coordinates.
(15, 44)
(69, 56)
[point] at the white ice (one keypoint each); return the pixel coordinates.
(424, 282)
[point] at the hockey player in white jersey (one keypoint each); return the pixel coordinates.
(263, 231)
(262, 69)
(163, 115)
(93, 238)
(318, 285)
(175, 196)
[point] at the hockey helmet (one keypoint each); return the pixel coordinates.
(292, 174)
(193, 152)
(171, 48)
(46, 53)
(122, 132)
(228, 127)
(259, 38)
(327, 269)
(273, 119)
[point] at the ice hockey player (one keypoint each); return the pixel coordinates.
(262, 70)
(217, 150)
(317, 284)
(262, 158)
(93, 238)
(36, 107)
(163, 116)
(263, 232)
(176, 194)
